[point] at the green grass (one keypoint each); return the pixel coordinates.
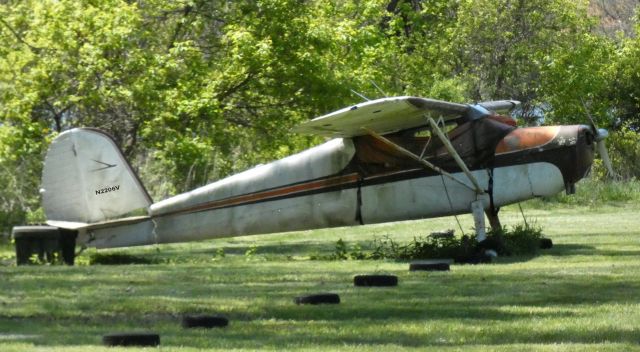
(591, 192)
(581, 295)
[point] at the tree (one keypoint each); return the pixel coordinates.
(503, 46)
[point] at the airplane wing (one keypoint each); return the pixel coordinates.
(393, 114)
(500, 106)
(382, 116)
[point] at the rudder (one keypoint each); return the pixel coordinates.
(86, 179)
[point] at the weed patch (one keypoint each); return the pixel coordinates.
(518, 240)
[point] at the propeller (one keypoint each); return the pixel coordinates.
(600, 135)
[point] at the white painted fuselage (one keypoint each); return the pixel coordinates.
(310, 190)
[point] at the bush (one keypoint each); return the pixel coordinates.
(519, 240)
(522, 239)
(624, 151)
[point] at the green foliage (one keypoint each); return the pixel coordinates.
(20, 149)
(341, 251)
(521, 239)
(575, 82)
(251, 251)
(625, 85)
(624, 151)
(502, 46)
(591, 192)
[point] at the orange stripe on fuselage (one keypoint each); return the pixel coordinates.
(527, 138)
(269, 194)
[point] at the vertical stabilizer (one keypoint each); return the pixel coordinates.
(86, 179)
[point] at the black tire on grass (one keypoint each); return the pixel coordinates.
(546, 243)
(204, 321)
(375, 280)
(321, 298)
(131, 339)
(429, 267)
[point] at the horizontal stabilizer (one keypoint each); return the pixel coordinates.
(98, 225)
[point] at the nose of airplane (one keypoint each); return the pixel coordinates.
(569, 148)
(572, 151)
(584, 151)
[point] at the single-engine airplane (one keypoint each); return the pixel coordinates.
(390, 159)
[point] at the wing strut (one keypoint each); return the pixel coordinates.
(477, 208)
(414, 157)
(455, 155)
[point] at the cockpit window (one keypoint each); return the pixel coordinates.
(474, 141)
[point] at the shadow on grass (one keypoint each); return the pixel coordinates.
(576, 249)
(309, 249)
(122, 259)
(419, 323)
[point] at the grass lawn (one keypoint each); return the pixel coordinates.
(584, 294)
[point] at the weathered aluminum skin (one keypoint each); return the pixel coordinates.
(439, 196)
(394, 201)
(324, 160)
(300, 213)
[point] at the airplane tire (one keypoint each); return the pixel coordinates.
(375, 280)
(204, 321)
(546, 243)
(429, 267)
(321, 298)
(131, 339)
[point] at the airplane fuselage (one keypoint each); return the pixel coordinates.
(352, 181)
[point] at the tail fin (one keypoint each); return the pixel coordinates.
(86, 179)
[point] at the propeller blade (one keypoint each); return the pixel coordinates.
(600, 135)
(604, 155)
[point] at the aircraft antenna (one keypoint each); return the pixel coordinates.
(360, 95)
(523, 217)
(379, 89)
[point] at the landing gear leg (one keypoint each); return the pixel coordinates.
(494, 220)
(477, 210)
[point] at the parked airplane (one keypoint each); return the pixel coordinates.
(390, 159)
